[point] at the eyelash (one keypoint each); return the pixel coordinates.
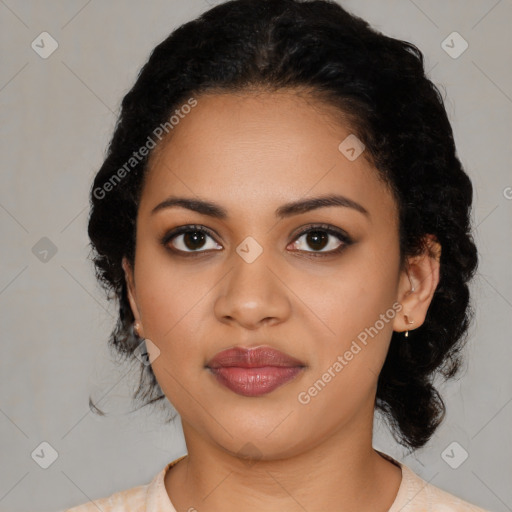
(336, 232)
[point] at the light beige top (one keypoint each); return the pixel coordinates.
(414, 495)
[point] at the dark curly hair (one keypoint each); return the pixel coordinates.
(376, 82)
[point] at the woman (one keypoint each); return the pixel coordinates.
(285, 223)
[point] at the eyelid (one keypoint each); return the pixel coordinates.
(332, 230)
(339, 233)
(175, 232)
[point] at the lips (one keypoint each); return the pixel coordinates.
(254, 371)
(252, 358)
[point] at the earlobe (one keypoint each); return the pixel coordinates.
(418, 283)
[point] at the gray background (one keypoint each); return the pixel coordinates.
(57, 117)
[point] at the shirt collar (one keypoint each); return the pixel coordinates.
(157, 499)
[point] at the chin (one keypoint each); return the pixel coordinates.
(263, 440)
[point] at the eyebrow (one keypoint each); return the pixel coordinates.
(287, 210)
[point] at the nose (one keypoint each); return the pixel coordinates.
(253, 294)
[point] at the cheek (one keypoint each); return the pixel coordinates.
(163, 295)
(175, 301)
(360, 323)
(357, 306)
(164, 287)
(346, 365)
(171, 305)
(353, 298)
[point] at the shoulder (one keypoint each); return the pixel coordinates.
(126, 501)
(420, 495)
(417, 495)
(444, 501)
(151, 497)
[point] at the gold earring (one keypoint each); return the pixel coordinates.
(411, 322)
(136, 329)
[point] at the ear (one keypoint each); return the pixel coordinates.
(130, 283)
(418, 282)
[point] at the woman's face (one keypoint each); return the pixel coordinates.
(254, 278)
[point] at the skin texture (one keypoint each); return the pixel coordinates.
(251, 153)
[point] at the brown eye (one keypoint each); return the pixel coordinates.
(190, 239)
(193, 239)
(322, 237)
(317, 239)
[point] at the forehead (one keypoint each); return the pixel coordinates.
(256, 151)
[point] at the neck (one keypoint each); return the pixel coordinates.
(343, 472)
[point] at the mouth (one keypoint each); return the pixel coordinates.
(254, 372)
